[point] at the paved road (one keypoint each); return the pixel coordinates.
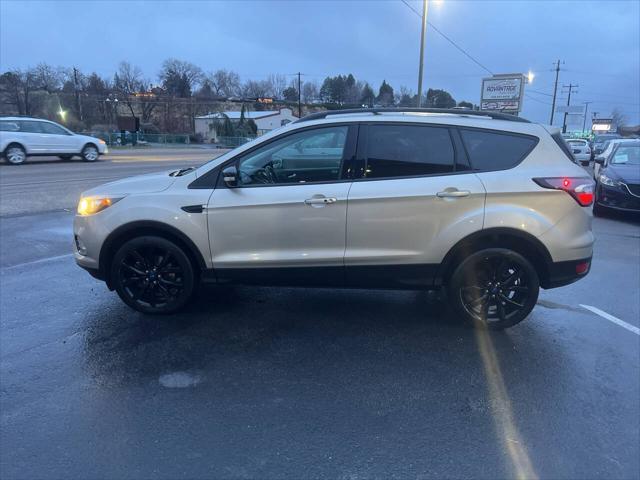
(44, 184)
(273, 383)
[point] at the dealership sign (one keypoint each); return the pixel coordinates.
(502, 92)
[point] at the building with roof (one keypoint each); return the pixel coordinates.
(266, 120)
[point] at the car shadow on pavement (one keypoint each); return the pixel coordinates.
(286, 325)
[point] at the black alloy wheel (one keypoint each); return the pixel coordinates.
(494, 288)
(153, 275)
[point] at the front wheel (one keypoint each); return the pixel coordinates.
(494, 288)
(90, 153)
(153, 275)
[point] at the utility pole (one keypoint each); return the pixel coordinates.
(422, 35)
(77, 93)
(564, 121)
(555, 90)
(299, 104)
(584, 119)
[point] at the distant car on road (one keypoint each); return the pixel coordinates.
(599, 141)
(22, 137)
(618, 183)
(580, 150)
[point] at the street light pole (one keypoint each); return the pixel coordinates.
(425, 6)
(584, 118)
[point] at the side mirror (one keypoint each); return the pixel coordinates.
(599, 159)
(230, 176)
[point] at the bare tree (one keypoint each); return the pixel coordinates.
(277, 84)
(618, 117)
(47, 77)
(127, 81)
(173, 67)
(309, 92)
(224, 83)
(255, 89)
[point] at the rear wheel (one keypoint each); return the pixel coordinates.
(14, 154)
(90, 153)
(153, 275)
(494, 288)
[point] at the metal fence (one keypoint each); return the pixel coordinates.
(116, 138)
(232, 142)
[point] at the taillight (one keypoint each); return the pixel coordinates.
(580, 188)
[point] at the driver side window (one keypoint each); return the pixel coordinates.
(304, 157)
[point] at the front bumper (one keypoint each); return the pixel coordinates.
(619, 198)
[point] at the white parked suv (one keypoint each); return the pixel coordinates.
(22, 137)
(488, 206)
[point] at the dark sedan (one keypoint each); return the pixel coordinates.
(618, 182)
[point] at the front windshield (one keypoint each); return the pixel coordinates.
(626, 155)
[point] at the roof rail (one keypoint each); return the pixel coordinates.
(377, 111)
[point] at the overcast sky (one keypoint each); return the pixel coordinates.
(599, 42)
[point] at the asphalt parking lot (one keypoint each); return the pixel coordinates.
(273, 383)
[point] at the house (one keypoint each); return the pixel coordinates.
(266, 121)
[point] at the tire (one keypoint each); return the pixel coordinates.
(90, 153)
(153, 275)
(494, 288)
(15, 154)
(65, 157)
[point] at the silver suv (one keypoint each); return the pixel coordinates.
(488, 206)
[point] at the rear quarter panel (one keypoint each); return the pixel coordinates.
(514, 200)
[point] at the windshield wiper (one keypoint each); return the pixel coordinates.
(182, 171)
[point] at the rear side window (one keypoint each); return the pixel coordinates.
(408, 150)
(8, 126)
(30, 126)
(52, 129)
(496, 151)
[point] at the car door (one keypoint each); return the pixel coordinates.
(417, 197)
(285, 221)
(57, 139)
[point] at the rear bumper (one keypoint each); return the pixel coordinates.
(564, 273)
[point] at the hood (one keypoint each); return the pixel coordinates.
(148, 183)
(626, 173)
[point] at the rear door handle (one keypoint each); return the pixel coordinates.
(453, 193)
(320, 200)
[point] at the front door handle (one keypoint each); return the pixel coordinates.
(453, 193)
(320, 200)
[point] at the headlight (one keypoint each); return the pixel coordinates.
(91, 205)
(608, 181)
(102, 141)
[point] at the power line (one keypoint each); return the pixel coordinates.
(539, 92)
(468, 55)
(535, 99)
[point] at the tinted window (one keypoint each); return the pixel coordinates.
(30, 127)
(52, 129)
(308, 156)
(499, 151)
(408, 150)
(9, 127)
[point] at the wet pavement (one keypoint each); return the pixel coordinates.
(274, 383)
